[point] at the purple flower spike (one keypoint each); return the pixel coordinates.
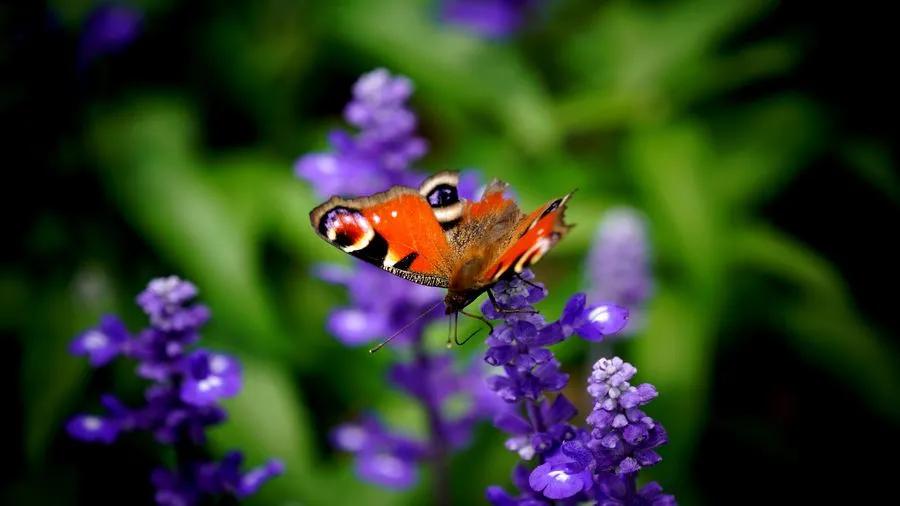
(182, 401)
(382, 457)
(102, 343)
(93, 429)
(619, 263)
(369, 318)
(575, 465)
(624, 437)
(164, 302)
(380, 155)
(210, 377)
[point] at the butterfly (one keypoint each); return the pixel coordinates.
(433, 237)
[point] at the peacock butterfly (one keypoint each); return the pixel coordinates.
(433, 237)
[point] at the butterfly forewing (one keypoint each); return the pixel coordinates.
(534, 236)
(395, 230)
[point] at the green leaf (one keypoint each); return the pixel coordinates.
(452, 67)
(146, 153)
(760, 148)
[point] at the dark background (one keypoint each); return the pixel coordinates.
(756, 136)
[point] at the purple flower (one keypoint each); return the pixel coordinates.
(182, 401)
(102, 343)
(369, 317)
(593, 322)
(618, 490)
(172, 420)
(380, 155)
(527, 495)
(188, 485)
(556, 482)
(619, 263)
(488, 18)
(387, 469)
(564, 474)
(573, 464)
(382, 457)
(623, 436)
(210, 377)
(165, 300)
(93, 429)
(172, 489)
(109, 29)
(251, 480)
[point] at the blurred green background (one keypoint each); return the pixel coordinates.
(757, 137)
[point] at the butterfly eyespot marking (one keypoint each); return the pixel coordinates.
(444, 200)
(347, 228)
(441, 193)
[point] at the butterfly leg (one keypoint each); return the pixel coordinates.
(481, 319)
(506, 310)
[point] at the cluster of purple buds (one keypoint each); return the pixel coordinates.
(598, 463)
(183, 399)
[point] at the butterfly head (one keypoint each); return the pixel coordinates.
(456, 301)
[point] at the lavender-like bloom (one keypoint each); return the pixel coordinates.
(619, 263)
(181, 402)
(110, 28)
(380, 154)
(382, 456)
(102, 343)
(573, 464)
(368, 318)
(625, 436)
(488, 18)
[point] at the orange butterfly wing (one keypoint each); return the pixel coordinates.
(537, 233)
(395, 230)
(429, 236)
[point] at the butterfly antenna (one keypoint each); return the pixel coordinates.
(414, 320)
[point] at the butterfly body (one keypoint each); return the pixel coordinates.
(432, 237)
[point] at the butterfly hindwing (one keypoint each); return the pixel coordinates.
(534, 236)
(395, 230)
